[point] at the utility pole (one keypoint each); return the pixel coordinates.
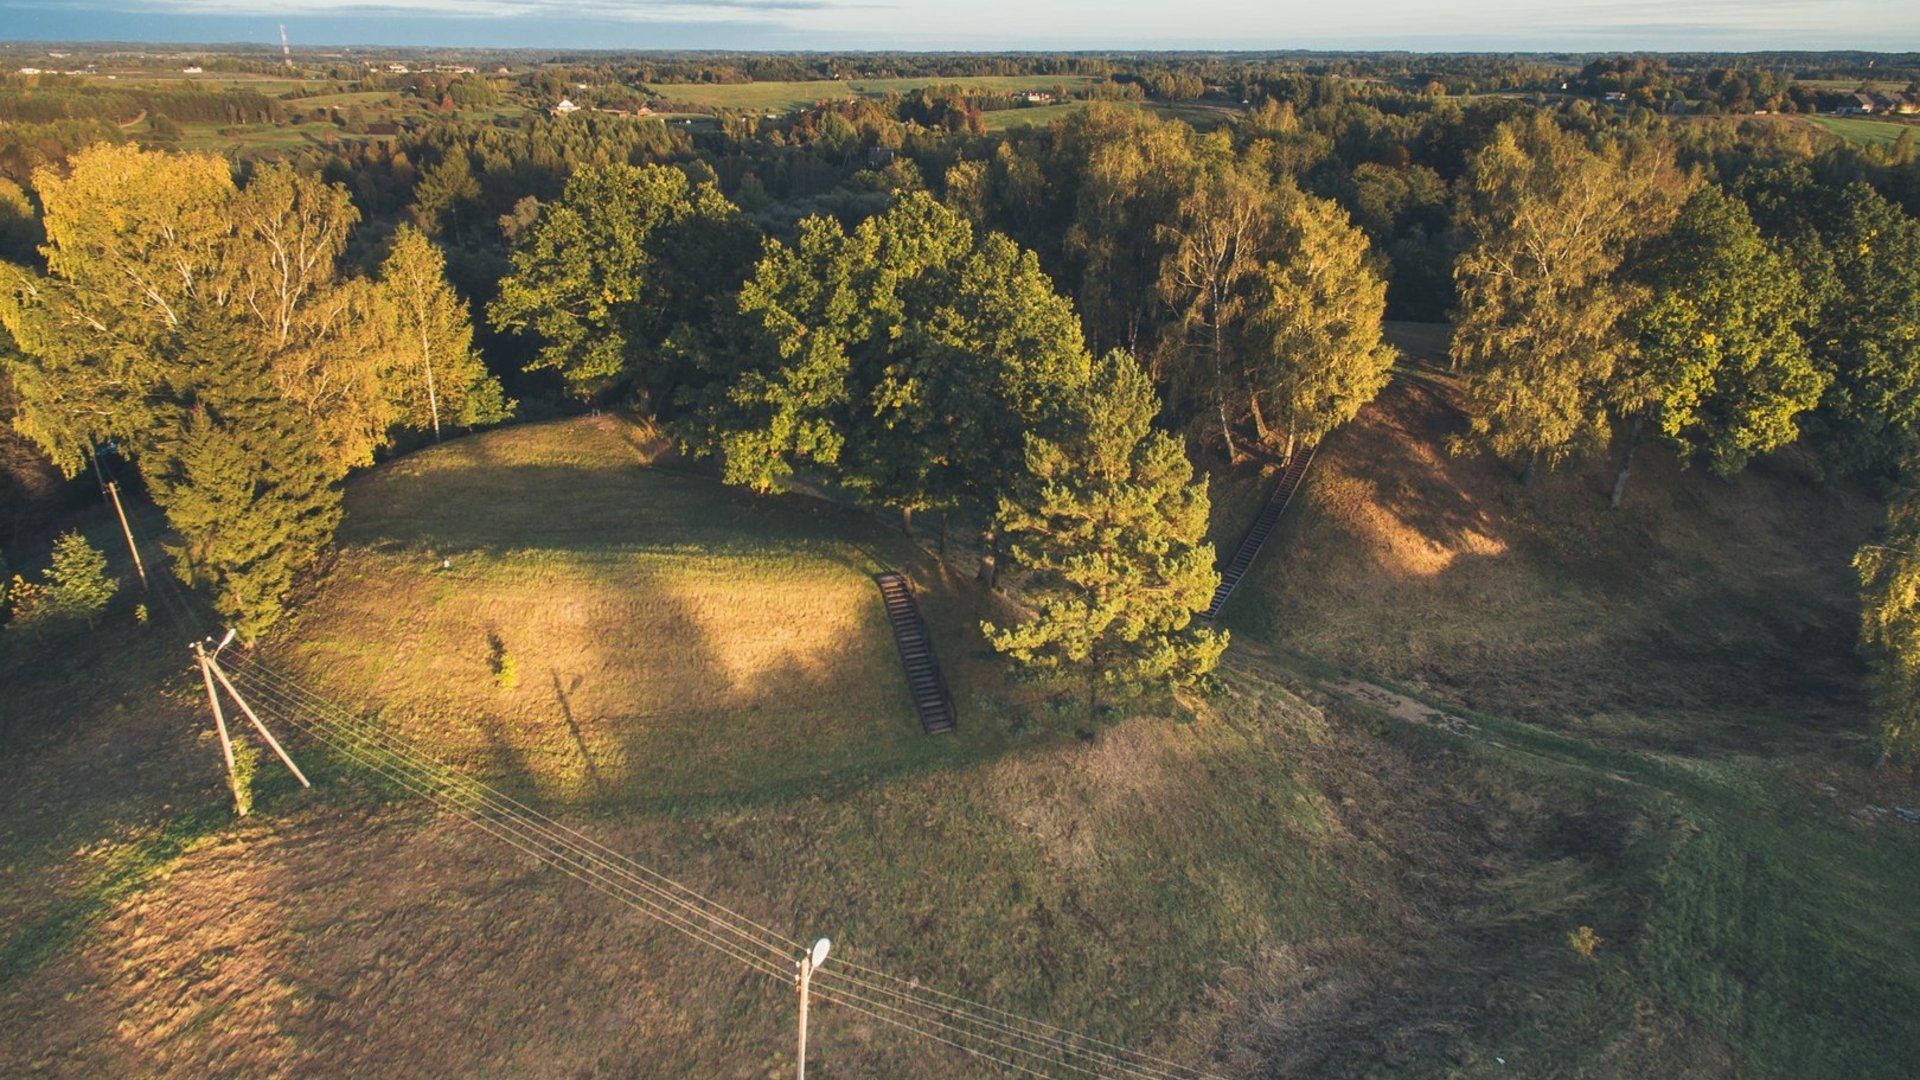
(814, 958)
(220, 725)
(113, 492)
(209, 672)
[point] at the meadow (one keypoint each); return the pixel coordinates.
(1454, 730)
(1865, 131)
(782, 97)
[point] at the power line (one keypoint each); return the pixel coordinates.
(599, 872)
(945, 1018)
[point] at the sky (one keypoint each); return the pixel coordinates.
(1489, 25)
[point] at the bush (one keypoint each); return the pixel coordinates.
(76, 587)
(506, 670)
(78, 579)
(246, 762)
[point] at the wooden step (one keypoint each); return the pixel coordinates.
(1263, 525)
(932, 701)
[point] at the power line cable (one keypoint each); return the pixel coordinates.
(681, 908)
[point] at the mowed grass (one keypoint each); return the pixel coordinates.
(666, 637)
(787, 96)
(1856, 129)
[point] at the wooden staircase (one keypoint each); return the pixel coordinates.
(1290, 480)
(931, 698)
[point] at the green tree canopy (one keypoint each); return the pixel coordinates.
(439, 378)
(252, 495)
(907, 358)
(1314, 350)
(1549, 217)
(1890, 623)
(1110, 528)
(618, 275)
(1719, 368)
(1868, 331)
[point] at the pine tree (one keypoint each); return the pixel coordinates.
(1110, 527)
(244, 483)
(78, 581)
(438, 376)
(1890, 623)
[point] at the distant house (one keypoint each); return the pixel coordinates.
(1038, 97)
(880, 155)
(564, 107)
(397, 69)
(29, 71)
(191, 69)
(1860, 104)
(1616, 96)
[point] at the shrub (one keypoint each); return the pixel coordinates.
(76, 587)
(79, 585)
(506, 670)
(246, 762)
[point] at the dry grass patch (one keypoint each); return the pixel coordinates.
(537, 604)
(1730, 603)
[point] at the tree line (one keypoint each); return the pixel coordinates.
(787, 300)
(205, 328)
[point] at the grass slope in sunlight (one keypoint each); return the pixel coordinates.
(536, 603)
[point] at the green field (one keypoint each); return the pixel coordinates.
(788, 96)
(663, 627)
(1867, 132)
(1203, 117)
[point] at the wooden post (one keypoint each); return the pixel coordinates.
(214, 666)
(220, 724)
(113, 490)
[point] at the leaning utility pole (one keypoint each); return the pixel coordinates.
(814, 958)
(209, 672)
(113, 492)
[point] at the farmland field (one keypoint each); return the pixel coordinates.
(1203, 117)
(1858, 129)
(787, 96)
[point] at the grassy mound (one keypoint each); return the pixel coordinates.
(1286, 879)
(535, 605)
(1701, 613)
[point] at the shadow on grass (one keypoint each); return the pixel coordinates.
(128, 869)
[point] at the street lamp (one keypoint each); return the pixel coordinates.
(813, 959)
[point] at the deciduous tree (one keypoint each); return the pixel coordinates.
(620, 273)
(1542, 305)
(1314, 350)
(437, 374)
(1718, 367)
(1890, 623)
(1216, 246)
